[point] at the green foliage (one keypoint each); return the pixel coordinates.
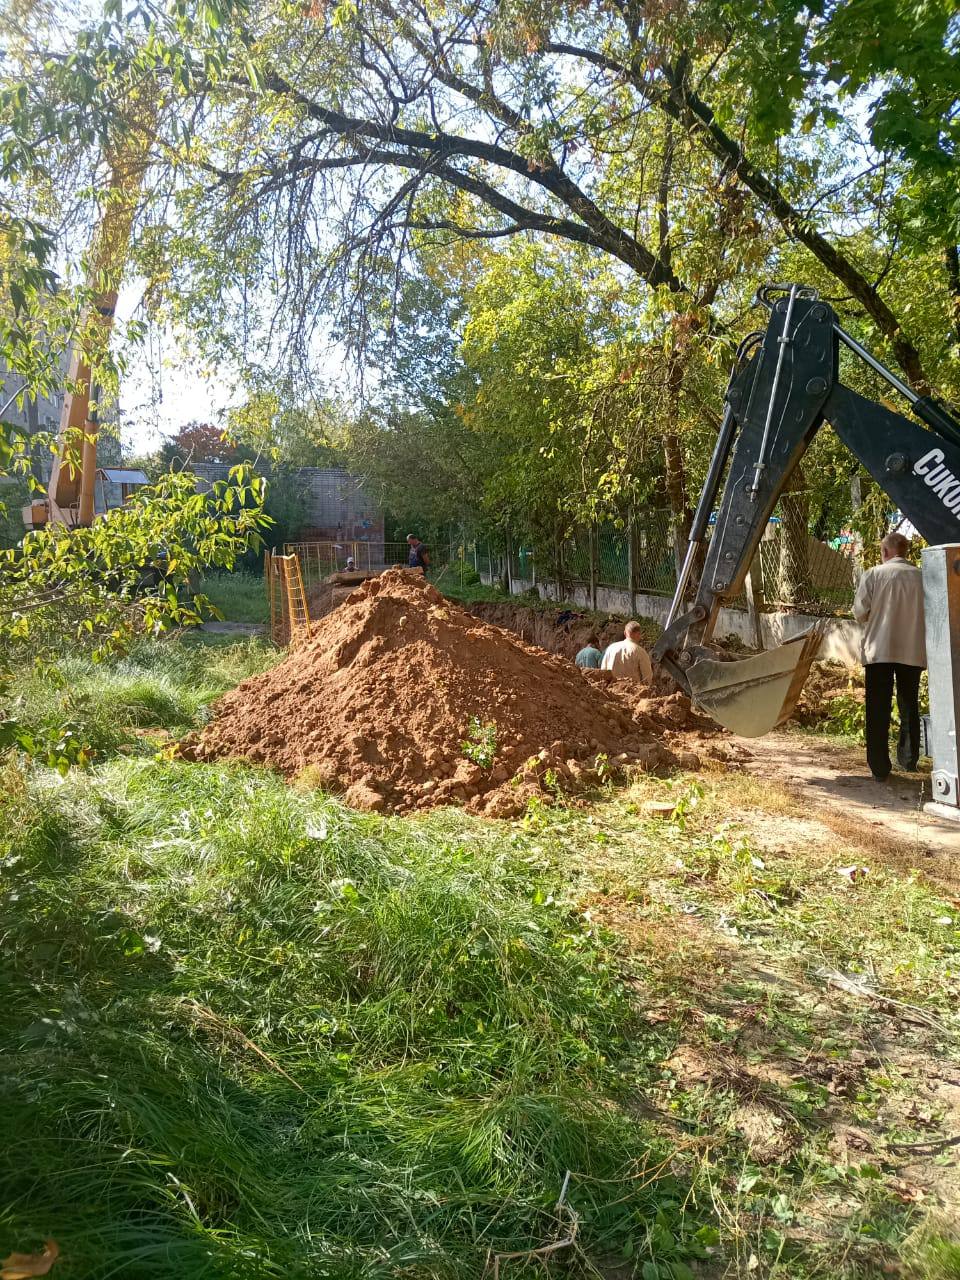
(480, 744)
(531, 382)
(285, 506)
(845, 714)
(131, 570)
(61, 747)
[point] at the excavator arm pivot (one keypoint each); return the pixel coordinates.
(783, 389)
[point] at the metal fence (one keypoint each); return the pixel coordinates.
(319, 559)
(793, 569)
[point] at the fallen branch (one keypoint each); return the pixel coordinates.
(544, 1250)
(854, 987)
(932, 1147)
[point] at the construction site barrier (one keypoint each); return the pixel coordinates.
(319, 558)
(289, 612)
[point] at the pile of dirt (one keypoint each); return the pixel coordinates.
(380, 702)
(832, 693)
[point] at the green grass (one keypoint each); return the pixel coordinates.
(159, 685)
(938, 1256)
(240, 596)
(256, 1034)
(461, 582)
(248, 1032)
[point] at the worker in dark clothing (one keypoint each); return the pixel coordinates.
(889, 604)
(419, 553)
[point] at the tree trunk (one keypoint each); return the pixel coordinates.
(794, 568)
(675, 473)
(951, 257)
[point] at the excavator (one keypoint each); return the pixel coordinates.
(784, 387)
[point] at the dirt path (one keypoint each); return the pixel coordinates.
(235, 628)
(887, 816)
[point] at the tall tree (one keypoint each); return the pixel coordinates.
(309, 146)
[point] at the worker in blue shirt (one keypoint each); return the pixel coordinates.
(590, 654)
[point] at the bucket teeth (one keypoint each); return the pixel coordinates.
(753, 695)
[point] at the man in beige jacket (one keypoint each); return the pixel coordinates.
(889, 603)
(627, 658)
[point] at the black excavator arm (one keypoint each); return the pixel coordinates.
(784, 387)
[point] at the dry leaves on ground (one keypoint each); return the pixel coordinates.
(21, 1266)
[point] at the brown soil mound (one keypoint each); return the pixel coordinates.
(378, 705)
(826, 683)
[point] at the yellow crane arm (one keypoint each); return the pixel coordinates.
(70, 496)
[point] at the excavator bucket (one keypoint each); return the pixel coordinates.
(751, 696)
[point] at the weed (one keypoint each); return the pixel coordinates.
(480, 744)
(248, 1027)
(845, 714)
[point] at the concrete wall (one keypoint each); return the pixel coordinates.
(336, 507)
(841, 641)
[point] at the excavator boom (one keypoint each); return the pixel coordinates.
(784, 388)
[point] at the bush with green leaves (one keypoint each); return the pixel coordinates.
(130, 571)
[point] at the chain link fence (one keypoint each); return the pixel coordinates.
(793, 569)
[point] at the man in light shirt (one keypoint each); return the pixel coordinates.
(889, 603)
(627, 659)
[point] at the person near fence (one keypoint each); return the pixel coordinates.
(419, 553)
(590, 655)
(627, 658)
(889, 604)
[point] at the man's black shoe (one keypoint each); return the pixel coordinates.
(880, 777)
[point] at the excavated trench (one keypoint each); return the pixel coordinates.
(565, 632)
(562, 631)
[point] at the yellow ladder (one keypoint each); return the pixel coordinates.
(294, 619)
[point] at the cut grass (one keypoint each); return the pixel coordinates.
(743, 948)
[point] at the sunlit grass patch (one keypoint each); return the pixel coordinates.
(240, 596)
(159, 685)
(258, 1026)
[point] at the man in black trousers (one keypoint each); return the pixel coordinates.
(889, 603)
